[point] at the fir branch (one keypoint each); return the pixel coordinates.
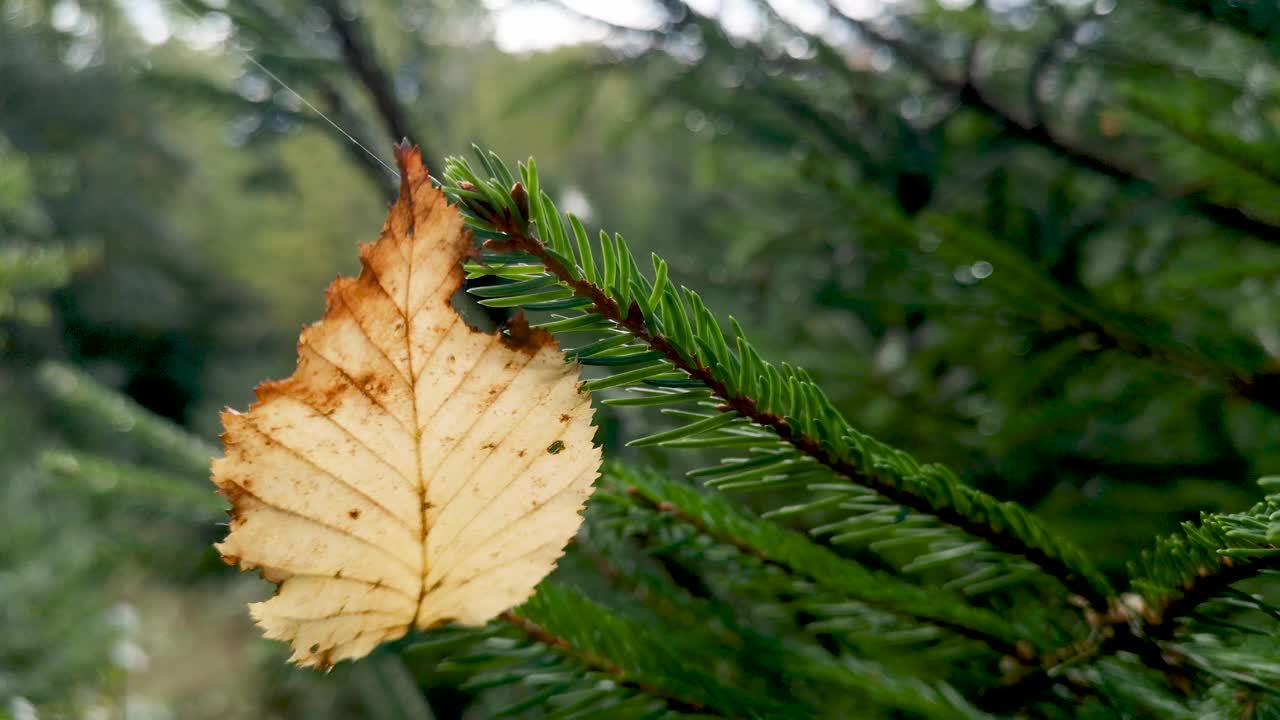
(90, 405)
(744, 592)
(601, 665)
(636, 554)
(1184, 571)
(1175, 578)
(796, 555)
(159, 490)
(577, 628)
(1105, 327)
(748, 386)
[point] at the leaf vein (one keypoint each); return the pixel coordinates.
(332, 528)
(355, 320)
(342, 481)
(352, 382)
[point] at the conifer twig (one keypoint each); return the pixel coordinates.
(517, 238)
(1000, 645)
(601, 665)
(1161, 620)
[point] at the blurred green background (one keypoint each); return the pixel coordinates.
(1037, 240)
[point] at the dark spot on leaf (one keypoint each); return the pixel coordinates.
(555, 447)
(353, 513)
(315, 648)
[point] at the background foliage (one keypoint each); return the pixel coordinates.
(1038, 242)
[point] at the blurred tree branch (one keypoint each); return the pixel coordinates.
(1259, 19)
(340, 109)
(362, 61)
(974, 97)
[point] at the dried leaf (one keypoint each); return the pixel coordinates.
(403, 475)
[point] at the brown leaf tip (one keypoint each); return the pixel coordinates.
(408, 157)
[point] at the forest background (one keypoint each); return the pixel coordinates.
(1036, 240)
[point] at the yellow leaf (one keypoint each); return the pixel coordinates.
(401, 477)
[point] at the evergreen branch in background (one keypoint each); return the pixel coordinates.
(388, 691)
(363, 63)
(1256, 18)
(159, 489)
(966, 91)
(795, 554)
(265, 25)
(339, 108)
(569, 624)
(1197, 130)
(1030, 291)
(670, 345)
(213, 95)
(581, 660)
(86, 403)
(27, 271)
